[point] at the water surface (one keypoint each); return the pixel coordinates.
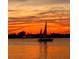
(32, 49)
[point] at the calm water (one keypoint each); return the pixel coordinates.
(32, 49)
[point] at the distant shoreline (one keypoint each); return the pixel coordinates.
(24, 35)
(30, 38)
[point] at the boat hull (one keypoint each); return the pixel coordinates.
(45, 40)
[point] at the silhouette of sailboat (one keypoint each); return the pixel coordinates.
(43, 36)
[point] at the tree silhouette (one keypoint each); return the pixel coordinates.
(22, 34)
(12, 35)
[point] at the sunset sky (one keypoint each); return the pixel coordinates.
(31, 15)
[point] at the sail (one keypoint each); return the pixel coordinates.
(44, 37)
(45, 29)
(41, 31)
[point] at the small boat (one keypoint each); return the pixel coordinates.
(45, 40)
(43, 37)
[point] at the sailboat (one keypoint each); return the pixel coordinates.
(43, 36)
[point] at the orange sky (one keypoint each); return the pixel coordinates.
(30, 16)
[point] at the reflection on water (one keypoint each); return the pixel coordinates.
(43, 50)
(32, 49)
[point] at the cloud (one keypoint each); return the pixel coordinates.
(26, 19)
(18, 0)
(11, 10)
(35, 19)
(60, 17)
(39, 2)
(54, 12)
(23, 18)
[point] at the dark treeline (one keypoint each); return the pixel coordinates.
(24, 35)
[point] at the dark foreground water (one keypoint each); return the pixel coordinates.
(32, 49)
